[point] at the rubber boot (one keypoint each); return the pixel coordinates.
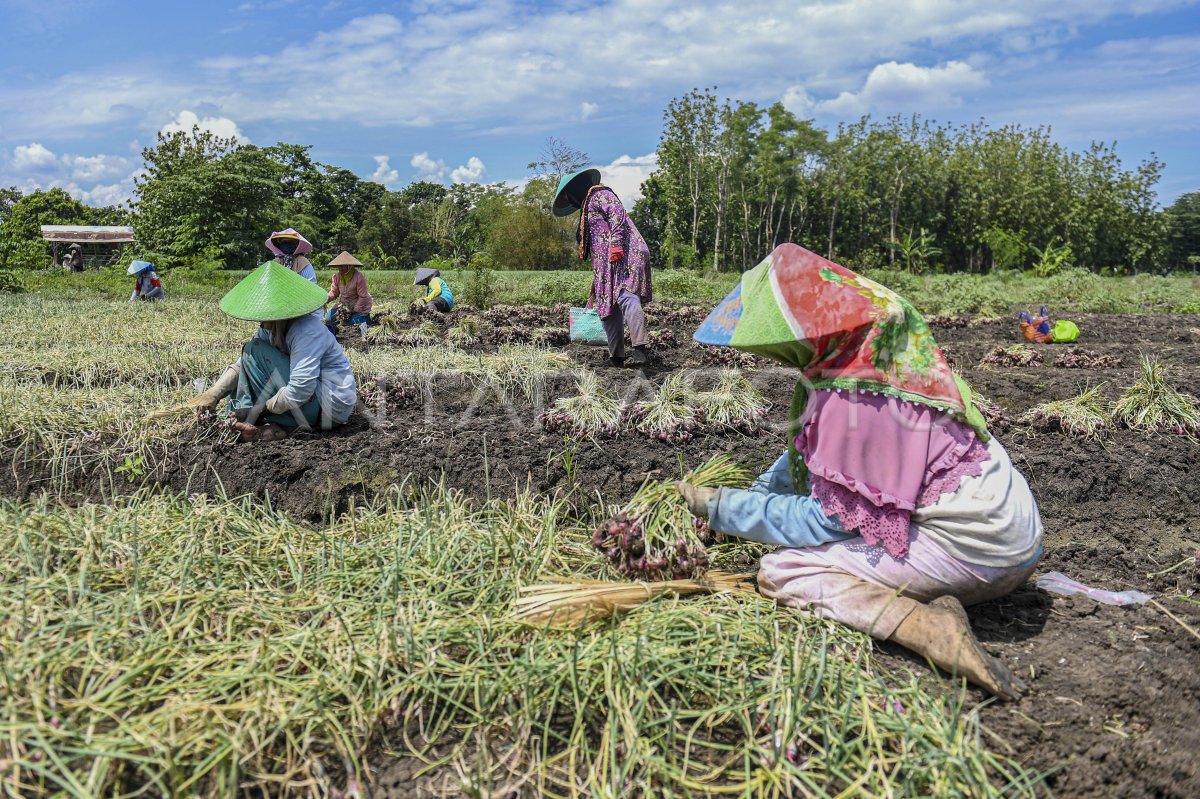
(637, 357)
(941, 633)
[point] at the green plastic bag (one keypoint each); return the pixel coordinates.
(1064, 332)
(586, 327)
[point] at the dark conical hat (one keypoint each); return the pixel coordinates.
(425, 274)
(272, 292)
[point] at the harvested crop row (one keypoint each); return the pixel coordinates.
(200, 648)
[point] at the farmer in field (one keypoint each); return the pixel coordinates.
(147, 286)
(438, 296)
(619, 257)
(290, 249)
(893, 506)
(293, 369)
(349, 289)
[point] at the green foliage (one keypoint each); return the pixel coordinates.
(52, 207)
(916, 251)
(1007, 247)
(478, 290)
(524, 236)
(735, 180)
(1183, 232)
(25, 254)
(205, 195)
(1051, 258)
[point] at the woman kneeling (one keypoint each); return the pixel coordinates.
(293, 374)
(893, 507)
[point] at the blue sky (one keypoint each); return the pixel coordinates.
(470, 89)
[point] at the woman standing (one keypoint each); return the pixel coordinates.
(893, 506)
(292, 373)
(619, 257)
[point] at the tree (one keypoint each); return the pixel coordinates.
(556, 160)
(53, 207)
(1183, 231)
(207, 197)
(521, 235)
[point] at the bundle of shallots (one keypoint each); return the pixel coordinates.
(655, 537)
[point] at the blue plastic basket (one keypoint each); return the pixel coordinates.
(586, 327)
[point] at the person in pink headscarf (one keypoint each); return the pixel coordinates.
(290, 249)
(894, 506)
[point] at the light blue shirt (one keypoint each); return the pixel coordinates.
(319, 367)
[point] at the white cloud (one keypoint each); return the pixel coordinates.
(219, 126)
(437, 171)
(586, 109)
(471, 172)
(385, 173)
(907, 88)
(33, 157)
(626, 174)
(427, 168)
(96, 168)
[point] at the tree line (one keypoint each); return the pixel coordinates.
(733, 180)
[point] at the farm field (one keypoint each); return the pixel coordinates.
(333, 612)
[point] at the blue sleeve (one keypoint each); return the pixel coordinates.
(306, 345)
(787, 520)
(308, 272)
(777, 479)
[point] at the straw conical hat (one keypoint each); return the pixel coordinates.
(270, 293)
(345, 259)
(137, 267)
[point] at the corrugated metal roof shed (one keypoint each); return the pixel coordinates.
(92, 234)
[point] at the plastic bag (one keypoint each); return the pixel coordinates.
(1059, 583)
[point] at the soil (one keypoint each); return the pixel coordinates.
(1113, 708)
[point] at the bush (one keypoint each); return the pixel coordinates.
(478, 290)
(30, 254)
(677, 285)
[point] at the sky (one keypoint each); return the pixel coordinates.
(470, 90)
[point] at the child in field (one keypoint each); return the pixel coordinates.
(292, 370)
(147, 286)
(893, 506)
(350, 290)
(437, 296)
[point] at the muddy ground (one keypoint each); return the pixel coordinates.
(1114, 702)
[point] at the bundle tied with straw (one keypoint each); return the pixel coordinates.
(573, 602)
(653, 537)
(174, 410)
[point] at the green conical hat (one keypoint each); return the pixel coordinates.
(561, 207)
(272, 292)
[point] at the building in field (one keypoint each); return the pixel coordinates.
(79, 247)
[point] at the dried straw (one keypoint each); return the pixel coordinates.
(575, 602)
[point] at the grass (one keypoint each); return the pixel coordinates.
(209, 648)
(1150, 404)
(1071, 291)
